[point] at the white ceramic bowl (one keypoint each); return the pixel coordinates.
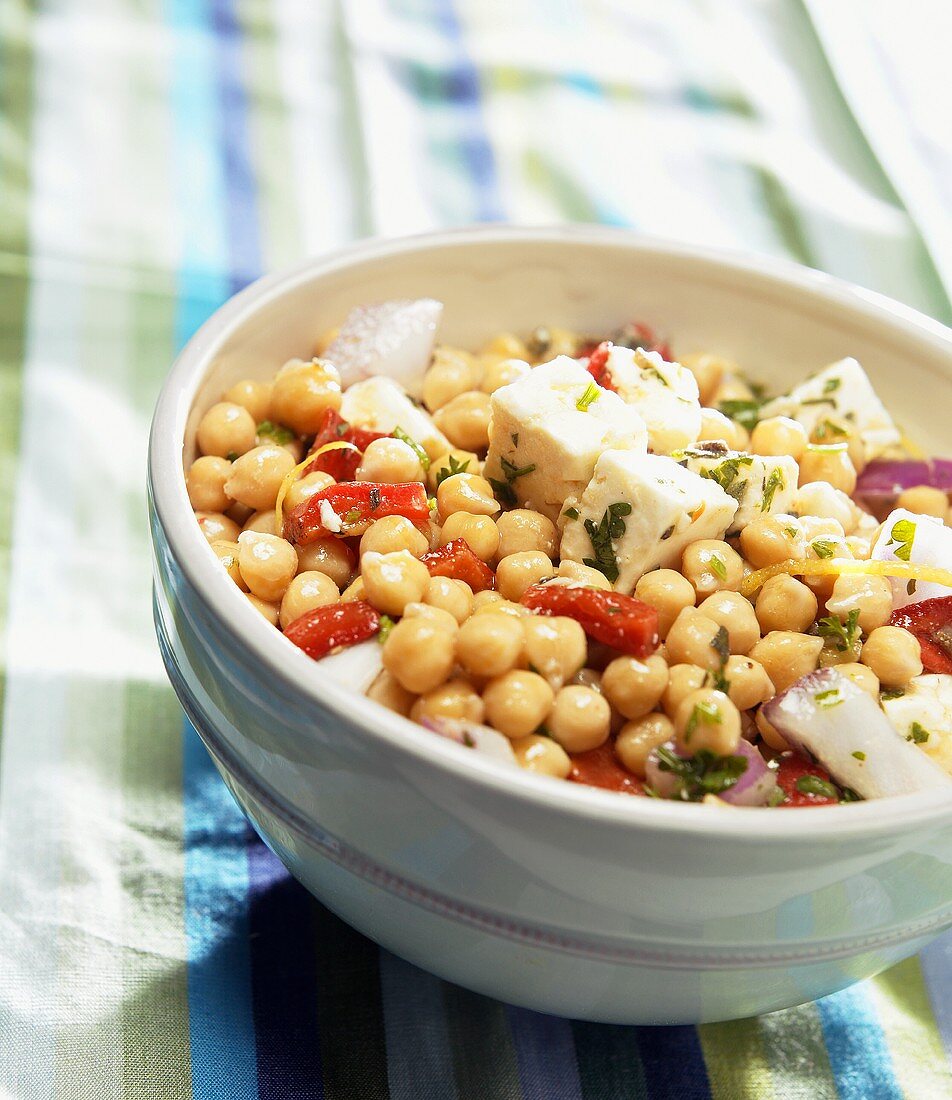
(566, 899)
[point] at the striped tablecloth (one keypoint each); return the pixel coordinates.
(156, 155)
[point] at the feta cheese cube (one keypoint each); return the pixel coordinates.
(380, 404)
(548, 429)
(923, 715)
(665, 394)
(760, 484)
(639, 512)
(909, 536)
(840, 391)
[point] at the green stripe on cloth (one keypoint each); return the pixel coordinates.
(796, 1054)
(738, 1066)
(483, 1058)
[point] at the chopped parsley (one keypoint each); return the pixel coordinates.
(775, 480)
(611, 527)
(827, 429)
(590, 395)
(719, 568)
(777, 797)
(861, 756)
(813, 784)
(745, 411)
(829, 698)
(374, 498)
(891, 693)
(511, 472)
(232, 456)
(918, 733)
(571, 513)
(721, 644)
(843, 637)
(386, 625)
(455, 467)
(704, 713)
(831, 385)
(399, 433)
(277, 433)
(824, 548)
(727, 475)
(903, 532)
(514, 436)
(701, 774)
(827, 448)
(657, 374)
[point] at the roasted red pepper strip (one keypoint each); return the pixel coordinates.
(319, 631)
(598, 364)
(458, 561)
(622, 622)
(600, 768)
(357, 505)
(794, 767)
(341, 464)
(635, 334)
(931, 622)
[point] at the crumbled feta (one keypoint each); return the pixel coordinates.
(665, 395)
(923, 715)
(548, 429)
(760, 484)
(840, 391)
(380, 404)
(639, 512)
(330, 520)
(909, 536)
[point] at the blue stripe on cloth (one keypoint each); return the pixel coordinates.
(284, 979)
(545, 1055)
(859, 1057)
(936, 961)
(461, 87)
(419, 1058)
(221, 1029)
(673, 1063)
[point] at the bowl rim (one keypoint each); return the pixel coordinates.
(294, 669)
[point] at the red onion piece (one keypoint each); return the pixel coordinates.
(886, 478)
(664, 783)
(827, 717)
(474, 736)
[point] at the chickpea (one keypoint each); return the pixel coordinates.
(390, 693)
(465, 420)
(453, 373)
(828, 431)
(749, 684)
(306, 592)
(303, 392)
(785, 603)
(708, 370)
(542, 755)
(418, 653)
(226, 430)
(682, 681)
(734, 612)
(522, 529)
(502, 373)
(490, 644)
(267, 564)
(251, 395)
(712, 566)
(329, 556)
(505, 345)
(454, 699)
(393, 580)
(707, 719)
(924, 500)
(633, 687)
(870, 595)
(715, 425)
(580, 719)
(778, 435)
(636, 739)
(516, 572)
(257, 475)
(240, 513)
(435, 614)
(771, 737)
(262, 522)
(466, 493)
(816, 498)
(769, 539)
(267, 609)
(786, 656)
(479, 533)
(483, 601)
(862, 676)
(217, 527)
(227, 554)
(732, 387)
(893, 654)
(583, 574)
(828, 462)
(691, 640)
(205, 484)
(668, 593)
(356, 590)
(555, 647)
(450, 595)
(304, 488)
(390, 461)
(506, 607)
(453, 462)
(391, 534)
(517, 702)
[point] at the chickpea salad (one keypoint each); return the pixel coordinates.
(597, 561)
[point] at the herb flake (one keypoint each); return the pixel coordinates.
(591, 394)
(399, 433)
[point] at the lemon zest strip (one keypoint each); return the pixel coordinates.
(794, 567)
(292, 476)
